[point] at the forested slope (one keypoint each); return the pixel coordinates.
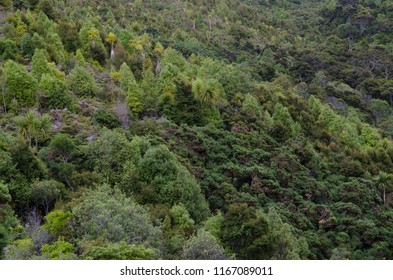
(196, 129)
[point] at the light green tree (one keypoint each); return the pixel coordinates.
(82, 83)
(126, 77)
(54, 93)
(108, 214)
(20, 85)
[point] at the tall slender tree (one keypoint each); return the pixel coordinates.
(382, 183)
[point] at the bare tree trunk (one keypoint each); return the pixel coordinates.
(112, 52)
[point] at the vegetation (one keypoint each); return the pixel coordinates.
(196, 129)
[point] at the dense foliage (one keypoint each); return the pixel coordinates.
(196, 129)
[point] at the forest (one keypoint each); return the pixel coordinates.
(203, 129)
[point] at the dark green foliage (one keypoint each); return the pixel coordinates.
(185, 108)
(171, 182)
(106, 119)
(58, 155)
(27, 46)
(246, 234)
(45, 193)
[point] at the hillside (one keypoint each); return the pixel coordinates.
(196, 129)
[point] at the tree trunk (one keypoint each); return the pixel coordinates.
(112, 52)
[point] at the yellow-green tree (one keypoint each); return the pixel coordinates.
(93, 36)
(111, 39)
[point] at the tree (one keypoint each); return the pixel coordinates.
(8, 49)
(247, 234)
(206, 91)
(60, 151)
(82, 83)
(132, 89)
(20, 85)
(32, 125)
(382, 182)
(287, 246)
(57, 223)
(93, 36)
(202, 246)
(62, 147)
(68, 30)
(134, 98)
(27, 46)
(108, 154)
(39, 64)
(379, 108)
(27, 126)
(126, 77)
(54, 93)
(111, 39)
(107, 213)
(172, 183)
(45, 193)
(38, 41)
